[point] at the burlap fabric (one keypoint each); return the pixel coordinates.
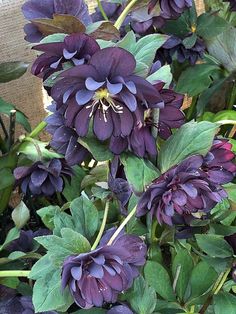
(26, 93)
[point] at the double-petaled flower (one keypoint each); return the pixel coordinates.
(182, 191)
(106, 91)
(76, 48)
(43, 178)
(45, 9)
(99, 276)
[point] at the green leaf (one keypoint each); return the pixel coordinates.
(214, 245)
(20, 215)
(10, 282)
(222, 229)
(182, 269)
(98, 149)
(72, 189)
(85, 216)
(224, 302)
(21, 118)
(158, 278)
(54, 38)
(62, 220)
(103, 30)
(223, 49)
(196, 79)
(7, 178)
(210, 25)
(128, 42)
(13, 234)
(163, 74)
(42, 267)
(139, 172)
(91, 311)
(48, 295)
(47, 215)
(141, 297)
(190, 41)
(231, 190)
(191, 139)
(199, 283)
(10, 71)
(75, 241)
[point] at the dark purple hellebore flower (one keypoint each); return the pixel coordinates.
(120, 309)
(118, 184)
(232, 4)
(218, 163)
(45, 9)
(43, 178)
(172, 9)
(64, 139)
(76, 48)
(25, 243)
(107, 91)
(182, 190)
(171, 116)
(99, 276)
(175, 46)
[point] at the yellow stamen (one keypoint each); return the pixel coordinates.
(193, 28)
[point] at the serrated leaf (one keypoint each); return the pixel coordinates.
(191, 139)
(12, 70)
(158, 278)
(20, 215)
(214, 245)
(139, 172)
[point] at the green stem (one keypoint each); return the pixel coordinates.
(14, 273)
(102, 10)
(102, 228)
(223, 280)
(3, 146)
(153, 231)
(123, 15)
(123, 224)
(39, 128)
(232, 99)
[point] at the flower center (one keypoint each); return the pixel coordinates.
(103, 100)
(193, 28)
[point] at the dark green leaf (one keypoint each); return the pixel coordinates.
(13, 234)
(181, 271)
(190, 41)
(214, 245)
(202, 278)
(72, 189)
(158, 278)
(85, 216)
(139, 172)
(141, 297)
(210, 25)
(10, 282)
(100, 151)
(20, 215)
(195, 79)
(222, 229)
(191, 139)
(62, 220)
(12, 70)
(224, 302)
(21, 118)
(91, 311)
(7, 178)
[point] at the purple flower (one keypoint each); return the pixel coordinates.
(45, 9)
(174, 46)
(182, 190)
(112, 10)
(65, 140)
(43, 178)
(171, 116)
(25, 242)
(232, 4)
(100, 275)
(218, 163)
(19, 305)
(110, 94)
(118, 184)
(76, 48)
(172, 9)
(120, 309)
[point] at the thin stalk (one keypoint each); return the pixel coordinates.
(3, 147)
(3, 127)
(102, 228)
(14, 273)
(223, 280)
(39, 128)
(12, 127)
(123, 224)
(153, 231)
(123, 15)
(102, 10)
